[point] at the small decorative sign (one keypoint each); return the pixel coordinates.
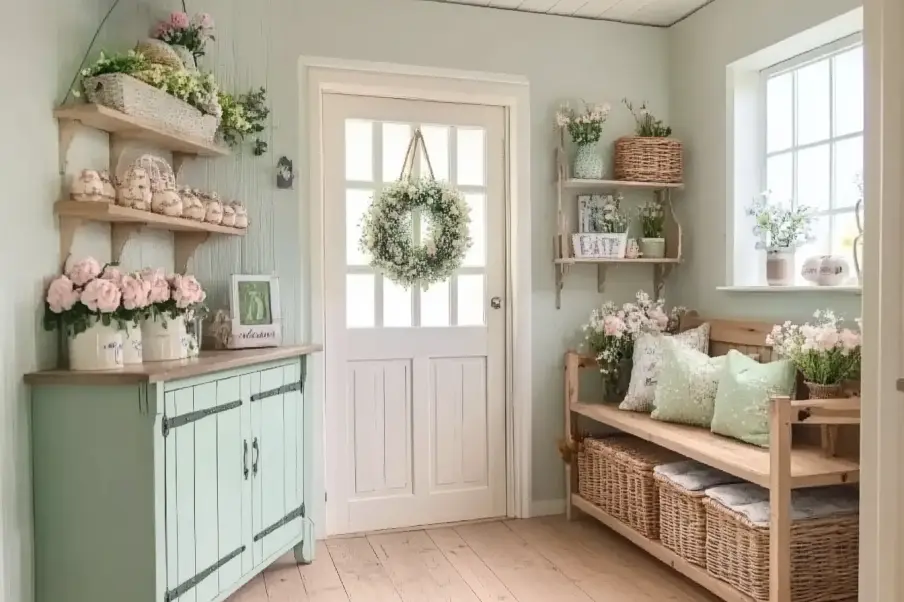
(285, 176)
(256, 318)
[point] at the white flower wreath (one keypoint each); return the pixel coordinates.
(387, 229)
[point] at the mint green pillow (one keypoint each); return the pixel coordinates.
(688, 380)
(742, 402)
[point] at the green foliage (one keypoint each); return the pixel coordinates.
(647, 125)
(197, 88)
(652, 220)
(244, 115)
(779, 227)
(128, 63)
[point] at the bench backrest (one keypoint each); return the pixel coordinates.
(746, 336)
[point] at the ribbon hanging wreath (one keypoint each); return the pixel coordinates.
(387, 232)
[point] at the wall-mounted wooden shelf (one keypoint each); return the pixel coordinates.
(661, 269)
(639, 260)
(125, 222)
(619, 185)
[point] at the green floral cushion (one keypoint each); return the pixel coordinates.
(688, 380)
(742, 402)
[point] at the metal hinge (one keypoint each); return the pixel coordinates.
(174, 594)
(298, 512)
(299, 386)
(183, 419)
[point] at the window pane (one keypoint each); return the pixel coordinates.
(471, 157)
(813, 102)
(396, 137)
(435, 305)
(848, 80)
(356, 203)
(437, 139)
(844, 231)
(780, 177)
(779, 111)
(471, 301)
(396, 305)
(359, 300)
(476, 255)
(848, 170)
(359, 150)
(813, 178)
(819, 246)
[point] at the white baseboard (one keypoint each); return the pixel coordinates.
(547, 507)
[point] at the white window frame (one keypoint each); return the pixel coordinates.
(821, 53)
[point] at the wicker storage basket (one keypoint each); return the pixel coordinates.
(643, 159)
(134, 97)
(682, 520)
(824, 557)
(629, 492)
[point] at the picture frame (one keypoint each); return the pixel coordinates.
(590, 211)
(256, 316)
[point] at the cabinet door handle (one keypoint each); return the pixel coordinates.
(257, 455)
(245, 458)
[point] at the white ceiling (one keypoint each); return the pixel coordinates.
(661, 13)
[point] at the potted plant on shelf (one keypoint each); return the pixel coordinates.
(652, 221)
(781, 231)
(585, 128)
(651, 155)
(825, 353)
(612, 330)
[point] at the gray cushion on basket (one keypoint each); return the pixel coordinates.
(647, 361)
(694, 476)
(818, 502)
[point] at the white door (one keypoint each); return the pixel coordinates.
(415, 394)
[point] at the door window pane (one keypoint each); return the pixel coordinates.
(436, 138)
(819, 246)
(471, 301)
(844, 231)
(435, 305)
(813, 103)
(359, 300)
(780, 177)
(396, 305)
(359, 150)
(848, 80)
(848, 170)
(396, 137)
(779, 112)
(813, 178)
(476, 255)
(471, 157)
(356, 203)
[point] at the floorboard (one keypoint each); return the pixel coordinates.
(535, 560)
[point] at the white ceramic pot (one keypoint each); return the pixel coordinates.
(98, 348)
(163, 339)
(780, 267)
(131, 344)
(652, 248)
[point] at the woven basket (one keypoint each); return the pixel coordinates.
(630, 493)
(134, 97)
(824, 555)
(644, 159)
(682, 520)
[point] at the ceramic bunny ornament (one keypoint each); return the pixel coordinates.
(228, 215)
(168, 202)
(88, 186)
(109, 186)
(214, 208)
(135, 189)
(241, 215)
(192, 207)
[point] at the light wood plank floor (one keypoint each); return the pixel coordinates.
(536, 560)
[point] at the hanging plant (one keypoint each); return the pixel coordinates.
(244, 115)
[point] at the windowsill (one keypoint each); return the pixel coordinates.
(850, 290)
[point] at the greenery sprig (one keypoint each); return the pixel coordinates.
(244, 115)
(652, 219)
(647, 125)
(779, 227)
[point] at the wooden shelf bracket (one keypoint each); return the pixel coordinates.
(120, 233)
(184, 246)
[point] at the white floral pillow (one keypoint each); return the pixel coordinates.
(647, 358)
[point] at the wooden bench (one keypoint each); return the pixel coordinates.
(780, 468)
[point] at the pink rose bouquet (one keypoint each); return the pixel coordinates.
(86, 293)
(191, 32)
(174, 295)
(826, 353)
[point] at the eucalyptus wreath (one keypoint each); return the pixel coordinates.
(387, 232)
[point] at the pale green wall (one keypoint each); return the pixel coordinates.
(700, 49)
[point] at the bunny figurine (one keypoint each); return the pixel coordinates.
(88, 186)
(168, 202)
(214, 214)
(192, 207)
(241, 215)
(109, 186)
(228, 215)
(135, 190)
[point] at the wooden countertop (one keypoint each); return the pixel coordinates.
(153, 372)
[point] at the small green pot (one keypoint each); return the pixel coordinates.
(652, 248)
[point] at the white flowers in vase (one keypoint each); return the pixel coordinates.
(586, 126)
(779, 227)
(612, 220)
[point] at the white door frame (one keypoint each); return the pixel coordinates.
(318, 76)
(882, 485)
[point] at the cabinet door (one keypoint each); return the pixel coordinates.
(276, 417)
(204, 490)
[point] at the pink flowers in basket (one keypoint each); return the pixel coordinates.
(191, 32)
(825, 352)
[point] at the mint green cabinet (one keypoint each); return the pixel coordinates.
(179, 490)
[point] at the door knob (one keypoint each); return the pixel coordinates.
(496, 302)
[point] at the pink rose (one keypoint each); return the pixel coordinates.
(112, 273)
(61, 295)
(161, 29)
(102, 295)
(187, 291)
(159, 288)
(850, 340)
(135, 292)
(613, 326)
(203, 20)
(84, 271)
(179, 20)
